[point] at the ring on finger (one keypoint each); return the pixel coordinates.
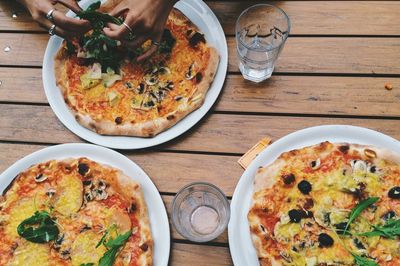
(127, 26)
(49, 15)
(52, 30)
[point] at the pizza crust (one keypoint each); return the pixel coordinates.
(148, 128)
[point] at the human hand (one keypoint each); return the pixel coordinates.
(145, 19)
(65, 27)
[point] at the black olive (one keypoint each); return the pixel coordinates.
(199, 77)
(144, 247)
(325, 240)
(87, 182)
(340, 227)
(288, 179)
(196, 38)
(372, 169)
(304, 186)
(394, 193)
(295, 216)
(308, 204)
(344, 148)
(132, 208)
(118, 120)
(83, 168)
(389, 215)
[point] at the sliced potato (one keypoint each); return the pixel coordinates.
(68, 197)
(28, 253)
(120, 219)
(21, 211)
(84, 249)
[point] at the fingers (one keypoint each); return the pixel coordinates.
(71, 4)
(71, 24)
(119, 32)
(58, 31)
(154, 47)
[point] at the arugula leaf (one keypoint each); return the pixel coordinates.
(94, 6)
(101, 48)
(390, 229)
(358, 209)
(113, 246)
(363, 261)
(39, 228)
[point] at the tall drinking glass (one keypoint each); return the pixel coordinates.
(261, 33)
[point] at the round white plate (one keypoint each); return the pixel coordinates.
(204, 18)
(241, 246)
(157, 213)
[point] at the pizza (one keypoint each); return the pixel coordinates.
(74, 212)
(123, 97)
(328, 204)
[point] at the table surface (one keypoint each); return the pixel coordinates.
(333, 70)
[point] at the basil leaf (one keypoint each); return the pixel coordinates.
(113, 246)
(390, 229)
(87, 264)
(39, 228)
(358, 209)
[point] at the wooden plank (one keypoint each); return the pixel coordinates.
(323, 17)
(280, 94)
(312, 55)
(186, 168)
(318, 17)
(225, 133)
(176, 179)
(199, 255)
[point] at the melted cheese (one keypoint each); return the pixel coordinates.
(23, 210)
(30, 254)
(84, 249)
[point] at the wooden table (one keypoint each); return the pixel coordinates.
(333, 70)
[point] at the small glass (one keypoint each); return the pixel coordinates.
(261, 33)
(200, 212)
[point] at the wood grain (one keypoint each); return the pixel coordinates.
(280, 94)
(321, 17)
(226, 133)
(169, 171)
(311, 55)
(199, 255)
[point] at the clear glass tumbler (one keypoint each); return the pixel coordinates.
(261, 33)
(200, 212)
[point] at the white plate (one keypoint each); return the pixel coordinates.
(157, 213)
(241, 246)
(204, 18)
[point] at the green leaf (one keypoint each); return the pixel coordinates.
(113, 246)
(363, 261)
(390, 229)
(87, 264)
(39, 228)
(167, 42)
(358, 209)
